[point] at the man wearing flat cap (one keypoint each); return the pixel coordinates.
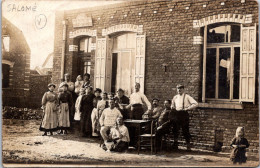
(182, 103)
(121, 102)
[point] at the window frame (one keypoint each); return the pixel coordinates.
(230, 45)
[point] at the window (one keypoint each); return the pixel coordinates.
(5, 43)
(87, 66)
(85, 45)
(5, 75)
(224, 62)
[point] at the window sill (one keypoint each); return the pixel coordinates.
(222, 105)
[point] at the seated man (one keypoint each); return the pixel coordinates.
(108, 119)
(119, 136)
(164, 122)
(155, 112)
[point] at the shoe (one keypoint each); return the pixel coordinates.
(45, 134)
(94, 134)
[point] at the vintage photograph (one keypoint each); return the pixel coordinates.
(147, 83)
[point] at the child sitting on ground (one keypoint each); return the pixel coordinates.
(239, 144)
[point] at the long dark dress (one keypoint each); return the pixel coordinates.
(50, 118)
(238, 154)
(86, 110)
(65, 100)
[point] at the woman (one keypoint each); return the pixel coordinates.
(86, 108)
(65, 101)
(49, 105)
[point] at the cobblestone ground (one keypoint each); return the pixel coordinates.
(23, 144)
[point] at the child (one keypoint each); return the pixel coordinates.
(78, 84)
(239, 144)
(77, 105)
(94, 113)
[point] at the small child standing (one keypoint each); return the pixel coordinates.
(78, 103)
(239, 144)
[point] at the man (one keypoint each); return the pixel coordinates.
(86, 79)
(137, 100)
(181, 104)
(108, 119)
(121, 102)
(164, 122)
(120, 136)
(86, 108)
(70, 84)
(155, 112)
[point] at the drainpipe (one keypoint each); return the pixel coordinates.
(64, 23)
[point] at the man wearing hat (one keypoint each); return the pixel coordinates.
(121, 102)
(181, 104)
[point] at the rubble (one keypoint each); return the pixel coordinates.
(21, 113)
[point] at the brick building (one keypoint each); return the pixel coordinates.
(209, 46)
(15, 65)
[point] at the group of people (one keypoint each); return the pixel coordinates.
(101, 114)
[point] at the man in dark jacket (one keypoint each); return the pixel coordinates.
(121, 102)
(164, 122)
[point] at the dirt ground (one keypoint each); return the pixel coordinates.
(23, 144)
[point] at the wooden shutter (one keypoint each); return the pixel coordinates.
(247, 64)
(140, 61)
(109, 64)
(100, 63)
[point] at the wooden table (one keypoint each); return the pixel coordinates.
(135, 130)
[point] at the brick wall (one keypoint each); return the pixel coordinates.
(19, 54)
(169, 39)
(38, 86)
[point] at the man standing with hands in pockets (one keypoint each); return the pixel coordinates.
(181, 104)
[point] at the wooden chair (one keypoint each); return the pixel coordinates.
(148, 139)
(166, 139)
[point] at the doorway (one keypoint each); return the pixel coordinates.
(123, 62)
(122, 71)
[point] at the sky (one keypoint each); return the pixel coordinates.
(23, 14)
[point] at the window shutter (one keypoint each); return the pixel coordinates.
(100, 63)
(109, 64)
(247, 64)
(140, 61)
